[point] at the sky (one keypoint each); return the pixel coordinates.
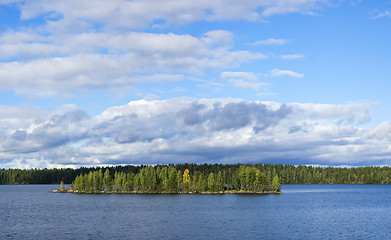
(102, 83)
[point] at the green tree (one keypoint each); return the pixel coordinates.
(211, 182)
(129, 184)
(276, 183)
(242, 177)
(250, 174)
(107, 181)
(261, 181)
(219, 182)
(90, 181)
(119, 181)
(79, 183)
(98, 180)
(136, 182)
(172, 180)
(201, 183)
(179, 181)
(164, 179)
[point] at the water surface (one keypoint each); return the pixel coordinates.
(300, 212)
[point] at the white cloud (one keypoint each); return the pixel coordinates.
(132, 58)
(385, 13)
(183, 130)
(292, 6)
(278, 73)
(243, 80)
(76, 55)
(243, 75)
(382, 131)
(270, 41)
(151, 96)
(23, 44)
(292, 56)
(350, 113)
(67, 54)
(140, 14)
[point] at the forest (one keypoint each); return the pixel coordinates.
(230, 173)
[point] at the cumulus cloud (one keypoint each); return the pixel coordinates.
(278, 73)
(191, 130)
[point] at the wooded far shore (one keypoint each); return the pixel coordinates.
(288, 174)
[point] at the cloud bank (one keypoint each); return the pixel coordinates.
(64, 48)
(131, 58)
(141, 14)
(191, 130)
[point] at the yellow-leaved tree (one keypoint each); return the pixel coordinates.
(186, 180)
(62, 187)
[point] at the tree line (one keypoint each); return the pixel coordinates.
(288, 174)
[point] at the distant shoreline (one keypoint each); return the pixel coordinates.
(232, 177)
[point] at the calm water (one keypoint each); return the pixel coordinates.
(301, 212)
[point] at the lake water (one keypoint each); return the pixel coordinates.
(300, 212)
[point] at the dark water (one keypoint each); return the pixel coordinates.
(301, 212)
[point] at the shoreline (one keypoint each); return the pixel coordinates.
(201, 193)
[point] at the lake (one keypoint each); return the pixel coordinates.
(300, 212)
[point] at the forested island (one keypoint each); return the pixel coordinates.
(203, 177)
(167, 179)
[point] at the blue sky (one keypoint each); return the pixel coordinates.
(143, 82)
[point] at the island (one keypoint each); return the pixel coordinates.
(169, 180)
